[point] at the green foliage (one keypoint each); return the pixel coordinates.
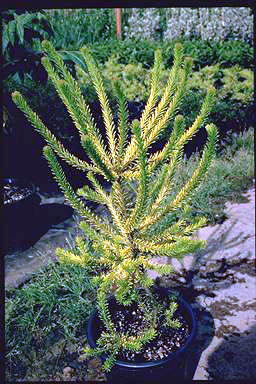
(76, 27)
(234, 52)
(235, 87)
(20, 32)
(234, 142)
(237, 83)
(169, 321)
(226, 53)
(231, 172)
(234, 84)
(21, 56)
(129, 63)
(133, 78)
(45, 309)
(44, 100)
(154, 313)
(120, 248)
(123, 117)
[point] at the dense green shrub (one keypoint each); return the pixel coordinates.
(234, 84)
(235, 93)
(227, 53)
(133, 78)
(22, 32)
(127, 50)
(21, 35)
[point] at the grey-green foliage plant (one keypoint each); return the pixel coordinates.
(142, 214)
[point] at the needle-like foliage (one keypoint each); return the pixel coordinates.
(145, 220)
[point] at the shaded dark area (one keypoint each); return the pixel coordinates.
(22, 150)
(19, 57)
(238, 352)
(24, 227)
(204, 335)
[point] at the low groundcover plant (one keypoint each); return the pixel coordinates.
(145, 221)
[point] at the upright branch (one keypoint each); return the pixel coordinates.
(69, 91)
(122, 120)
(152, 115)
(106, 111)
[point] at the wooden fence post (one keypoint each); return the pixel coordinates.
(118, 22)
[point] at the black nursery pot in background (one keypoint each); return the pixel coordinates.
(20, 204)
(169, 369)
(19, 195)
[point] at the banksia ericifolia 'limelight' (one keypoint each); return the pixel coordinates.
(139, 203)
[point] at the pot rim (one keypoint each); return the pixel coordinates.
(172, 356)
(19, 182)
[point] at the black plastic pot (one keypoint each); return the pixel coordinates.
(169, 369)
(18, 210)
(30, 198)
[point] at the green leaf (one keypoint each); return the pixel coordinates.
(74, 56)
(26, 19)
(5, 39)
(11, 31)
(20, 31)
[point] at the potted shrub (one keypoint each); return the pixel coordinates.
(137, 327)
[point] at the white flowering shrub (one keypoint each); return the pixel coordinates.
(218, 24)
(143, 24)
(215, 24)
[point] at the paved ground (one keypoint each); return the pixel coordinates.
(221, 283)
(221, 279)
(19, 265)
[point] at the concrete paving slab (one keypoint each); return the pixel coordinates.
(222, 280)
